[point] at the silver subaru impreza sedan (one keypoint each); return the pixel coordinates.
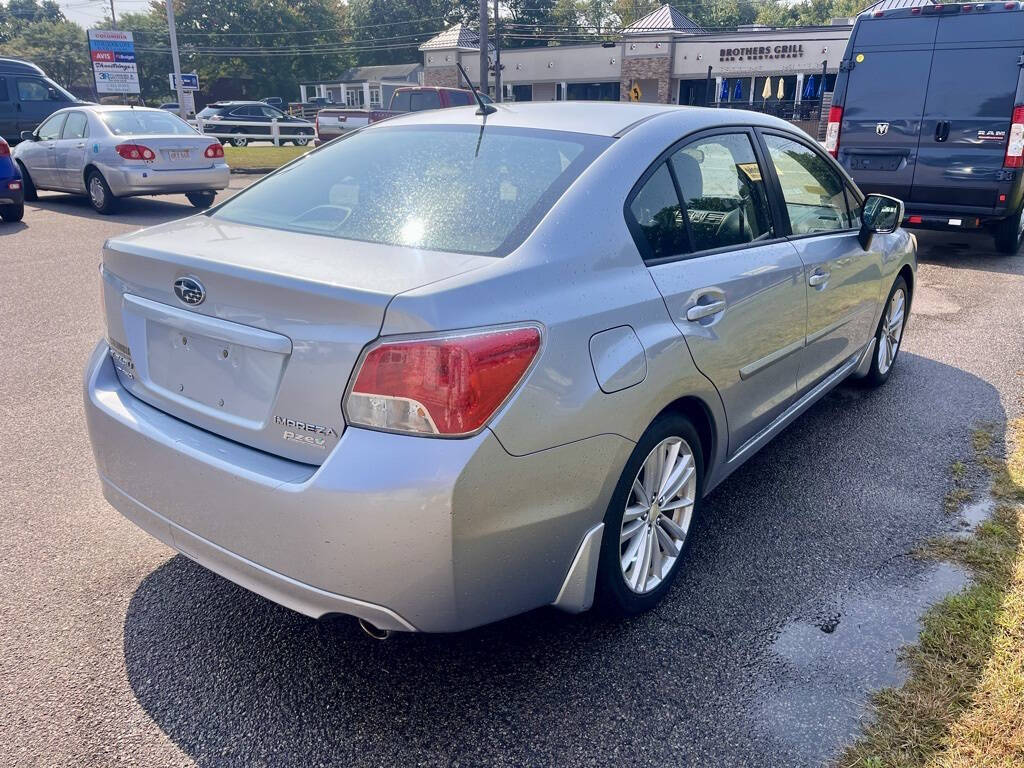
(453, 366)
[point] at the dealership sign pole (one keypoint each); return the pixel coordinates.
(113, 61)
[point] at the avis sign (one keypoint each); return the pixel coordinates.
(113, 61)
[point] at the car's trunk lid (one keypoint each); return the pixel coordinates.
(174, 152)
(264, 358)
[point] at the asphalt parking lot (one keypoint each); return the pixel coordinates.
(798, 590)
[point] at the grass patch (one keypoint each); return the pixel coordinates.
(262, 157)
(963, 702)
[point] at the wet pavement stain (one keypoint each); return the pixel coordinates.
(823, 668)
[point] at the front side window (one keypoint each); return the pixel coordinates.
(723, 191)
(137, 122)
(658, 215)
(77, 126)
(421, 187)
(32, 90)
(51, 128)
(812, 189)
(400, 101)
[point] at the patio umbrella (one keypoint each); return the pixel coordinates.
(781, 93)
(724, 96)
(766, 92)
(809, 89)
(737, 94)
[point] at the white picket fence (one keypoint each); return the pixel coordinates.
(274, 135)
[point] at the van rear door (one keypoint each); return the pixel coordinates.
(968, 110)
(884, 102)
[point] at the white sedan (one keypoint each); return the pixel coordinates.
(109, 152)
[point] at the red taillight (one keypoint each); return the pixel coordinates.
(316, 123)
(835, 117)
(5, 148)
(878, 14)
(447, 385)
(914, 220)
(1015, 144)
(135, 152)
(214, 150)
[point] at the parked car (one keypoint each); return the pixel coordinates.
(345, 392)
(929, 107)
(170, 106)
(27, 97)
(274, 101)
(110, 152)
(12, 199)
(234, 118)
(332, 123)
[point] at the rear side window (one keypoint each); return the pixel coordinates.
(657, 213)
(76, 127)
(813, 191)
(723, 192)
(459, 98)
(4, 95)
(424, 100)
(421, 186)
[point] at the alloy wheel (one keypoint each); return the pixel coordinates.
(891, 331)
(96, 192)
(657, 517)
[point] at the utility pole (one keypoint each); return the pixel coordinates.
(497, 54)
(175, 60)
(483, 46)
(113, 18)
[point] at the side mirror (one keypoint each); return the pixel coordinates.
(52, 94)
(881, 215)
(28, 136)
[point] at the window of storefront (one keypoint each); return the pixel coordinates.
(593, 91)
(376, 102)
(522, 93)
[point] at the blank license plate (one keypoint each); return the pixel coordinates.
(177, 154)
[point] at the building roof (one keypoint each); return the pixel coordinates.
(664, 19)
(460, 36)
(380, 72)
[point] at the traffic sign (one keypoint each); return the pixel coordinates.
(189, 81)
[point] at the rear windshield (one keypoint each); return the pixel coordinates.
(134, 122)
(464, 189)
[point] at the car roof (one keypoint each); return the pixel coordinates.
(601, 118)
(112, 108)
(19, 67)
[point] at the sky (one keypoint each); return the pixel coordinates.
(88, 12)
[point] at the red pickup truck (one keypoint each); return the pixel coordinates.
(332, 123)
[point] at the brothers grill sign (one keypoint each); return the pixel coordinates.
(791, 51)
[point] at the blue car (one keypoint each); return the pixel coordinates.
(12, 194)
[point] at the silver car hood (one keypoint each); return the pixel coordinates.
(264, 359)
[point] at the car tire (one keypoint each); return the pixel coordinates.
(306, 138)
(201, 200)
(100, 196)
(31, 195)
(239, 141)
(12, 213)
(1009, 234)
(887, 344)
(642, 583)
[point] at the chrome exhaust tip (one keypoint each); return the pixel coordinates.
(375, 632)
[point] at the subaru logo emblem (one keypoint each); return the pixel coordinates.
(881, 128)
(189, 290)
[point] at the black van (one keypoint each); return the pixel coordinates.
(27, 97)
(929, 107)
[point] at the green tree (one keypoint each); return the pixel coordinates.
(58, 47)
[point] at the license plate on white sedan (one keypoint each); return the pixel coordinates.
(177, 154)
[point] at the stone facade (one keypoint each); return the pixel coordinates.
(442, 77)
(636, 68)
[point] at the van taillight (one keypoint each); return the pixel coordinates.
(835, 117)
(1015, 145)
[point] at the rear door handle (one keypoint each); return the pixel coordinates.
(80, 146)
(942, 130)
(818, 278)
(700, 311)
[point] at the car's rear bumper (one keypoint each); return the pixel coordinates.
(150, 181)
(11, 195)
(406, 532)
